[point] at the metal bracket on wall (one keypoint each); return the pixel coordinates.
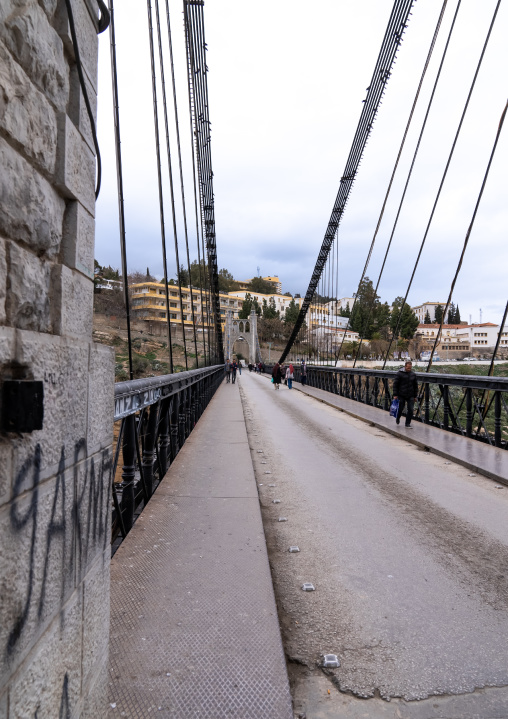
(22, 405)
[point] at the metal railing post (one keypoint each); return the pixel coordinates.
(497, 419)
(129, 471)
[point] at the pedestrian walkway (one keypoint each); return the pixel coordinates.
(470, 453)
(194, 626)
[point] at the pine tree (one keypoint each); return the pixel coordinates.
(451, 314)
(409, 321)
(438, 314)
(427, 320)
(457, 316)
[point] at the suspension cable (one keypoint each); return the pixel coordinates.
(391, 41)
(399, 319)
(170, 173)
(159, 180)
(197, 217)
(194, 26)
(119, 177)
(388, 191)
(181, 181)
(466, 240)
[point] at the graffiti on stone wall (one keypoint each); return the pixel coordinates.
(77, 533)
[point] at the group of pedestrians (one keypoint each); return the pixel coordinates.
(280, 372)
(231, 368)
(257, 367)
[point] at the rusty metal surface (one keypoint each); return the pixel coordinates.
(194, 628)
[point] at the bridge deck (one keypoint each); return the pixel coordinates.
(470, 453)
(194, 628)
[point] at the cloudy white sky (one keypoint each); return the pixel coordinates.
(286, 84)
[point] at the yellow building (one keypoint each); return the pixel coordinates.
(149, 303)
(274, 281)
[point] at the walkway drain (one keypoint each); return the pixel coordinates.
(276, 501)
(267, 471)
(471, 475)
(308, 587)
(294, 549)
(263, 462)
(271, 485)
(447, 462)
(283, 519)
(259, 451)
(330, 661)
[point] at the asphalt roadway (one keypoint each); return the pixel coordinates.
(408, 554)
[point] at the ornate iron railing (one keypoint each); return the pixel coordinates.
(153, 418)
(472, 406)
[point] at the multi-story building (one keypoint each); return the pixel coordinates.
(281, 301)
(464, 338)
(273, 280)
(149, 303)
(429, 307)
(483, 335)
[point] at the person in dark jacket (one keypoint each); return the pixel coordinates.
(276, 375)
(405, 389)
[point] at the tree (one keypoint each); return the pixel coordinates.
(183, 276)
(382, 321)
(288, 294)
(457, 316)
(258, 284)
(292, 312)
(438, 314)
(269, 309)
(363, 314)
(345, 311)
(427, 320)
(408, 322)
(248, 305)
(227, 282)
(271, 330)
(451, 314)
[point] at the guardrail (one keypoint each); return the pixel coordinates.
(155, 417)
(472, 406)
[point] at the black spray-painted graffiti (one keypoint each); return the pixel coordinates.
(65, 707)
(84, 533)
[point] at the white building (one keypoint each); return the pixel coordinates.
(429, 307)
(483, 335)
(476, 336)
(281, 301)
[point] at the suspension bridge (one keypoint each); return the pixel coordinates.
(179, 546)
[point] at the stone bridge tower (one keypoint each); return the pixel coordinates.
(242, 329)
(56, 387)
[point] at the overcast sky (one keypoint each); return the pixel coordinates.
(286, 82)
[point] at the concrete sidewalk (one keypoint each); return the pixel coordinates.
(470, 453)
(194, 626)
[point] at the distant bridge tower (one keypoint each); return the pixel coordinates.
(242, 330)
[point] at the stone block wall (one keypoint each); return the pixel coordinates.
(54, 482)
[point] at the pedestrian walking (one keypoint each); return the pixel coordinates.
(405, 389)
(290, 373)
(303, 373)
(234, 368)
(276, 375)
(227, 369)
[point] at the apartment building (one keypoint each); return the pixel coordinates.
(429, 307)
(281, 301)
(149, 303)
(272, 279)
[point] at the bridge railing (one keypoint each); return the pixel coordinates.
(472, 406)
(153, 418)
